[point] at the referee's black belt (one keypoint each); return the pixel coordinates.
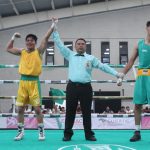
(79, 83)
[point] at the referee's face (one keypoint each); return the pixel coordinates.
(80, 46)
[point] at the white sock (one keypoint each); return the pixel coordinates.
(41, 127)
(137, 127)
(20, 127)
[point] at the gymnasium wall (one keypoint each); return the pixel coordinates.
(113, 26)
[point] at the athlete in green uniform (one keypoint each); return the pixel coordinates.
(142, 85)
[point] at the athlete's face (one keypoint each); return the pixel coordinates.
(148, 30)
(80, 46)
(30, 43)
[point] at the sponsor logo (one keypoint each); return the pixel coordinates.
(95, 147)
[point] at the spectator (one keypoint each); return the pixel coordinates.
(63, 110)
(55, 109)
(128, 110)
(108, 111)
(122, 110)
(146, 109)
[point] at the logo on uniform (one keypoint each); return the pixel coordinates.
(145, 71)
(96, 147)
(88, 65)
(144, 50)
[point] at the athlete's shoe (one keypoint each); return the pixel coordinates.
(19, 136)
(136, 136)
(41, 136)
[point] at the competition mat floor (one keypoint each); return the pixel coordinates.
(106, 140)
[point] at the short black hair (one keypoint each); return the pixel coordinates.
(80, 39)
(148, 24)
(32, 36)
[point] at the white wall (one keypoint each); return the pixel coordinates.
(113, 26)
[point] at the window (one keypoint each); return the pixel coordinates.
(123, 50)
(68, 44)
(88, 47)
(49, 58)
(105, 52)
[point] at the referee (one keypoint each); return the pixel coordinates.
(79, 86)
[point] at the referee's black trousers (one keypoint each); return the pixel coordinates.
(78, 92)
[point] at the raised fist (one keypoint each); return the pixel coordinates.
(55, 20)
(17, 35)
(54, 23)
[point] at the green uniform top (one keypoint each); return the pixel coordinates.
(144, 55)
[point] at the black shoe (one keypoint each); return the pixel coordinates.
(66, 138)
(136, 137)
(91, 138)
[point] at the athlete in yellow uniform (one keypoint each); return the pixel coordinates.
(30, 67)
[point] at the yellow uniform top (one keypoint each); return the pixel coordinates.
(30, 63)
